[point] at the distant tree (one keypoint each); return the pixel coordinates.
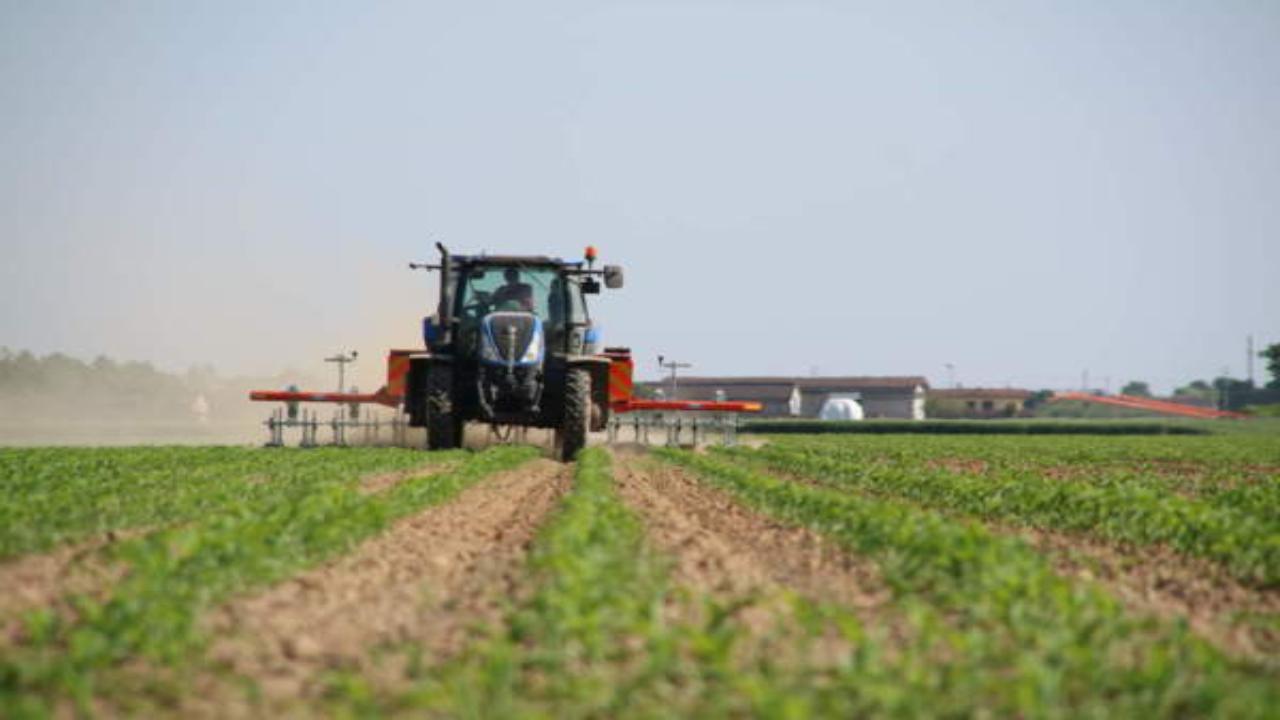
(1272, 356)
(1196, 389)
(1136, 388)
(1228, 388)
(1038, 398)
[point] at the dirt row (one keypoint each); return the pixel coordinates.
(46, 580)
(727, 552)
(428, 581)
(1156, 580)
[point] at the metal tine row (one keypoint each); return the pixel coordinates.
(369, 430)
(675, 427)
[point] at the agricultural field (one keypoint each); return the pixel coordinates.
(807, 575)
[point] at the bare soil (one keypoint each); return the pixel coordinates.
(730, 553)
(429, 580)
(381, 482)
(959, 465)
(39, 580)
(1162, 582)
(1239, 619)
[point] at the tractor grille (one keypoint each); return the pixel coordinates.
(504, 325)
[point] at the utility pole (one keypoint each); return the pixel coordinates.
(674, 367)
(342, 359)
(1224, 394)
(1248, 355)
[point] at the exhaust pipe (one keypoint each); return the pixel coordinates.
(445, 311)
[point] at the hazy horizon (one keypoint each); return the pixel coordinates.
(1024, 191)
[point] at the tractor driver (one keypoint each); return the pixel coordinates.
(514, 292)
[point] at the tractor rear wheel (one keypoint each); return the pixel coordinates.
(444, 428)
(572, 435)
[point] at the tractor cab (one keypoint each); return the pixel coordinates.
(492, 298)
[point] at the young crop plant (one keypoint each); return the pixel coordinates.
(1019, 639)
(1242, 540)
(1239, 474)
(50, 496)
(314, 512)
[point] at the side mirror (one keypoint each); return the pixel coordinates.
(590, 286)
(613, 276)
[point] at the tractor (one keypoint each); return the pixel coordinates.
(512, 344)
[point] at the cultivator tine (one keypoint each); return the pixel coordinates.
(678, 429)
(344, 427)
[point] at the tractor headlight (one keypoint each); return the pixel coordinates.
(533, 352)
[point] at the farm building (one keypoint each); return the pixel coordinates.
(977, 402)
(880, 397)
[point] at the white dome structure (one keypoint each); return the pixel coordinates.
(841, 408)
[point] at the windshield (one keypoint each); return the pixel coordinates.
(538, 290)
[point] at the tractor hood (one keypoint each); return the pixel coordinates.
(512, 339)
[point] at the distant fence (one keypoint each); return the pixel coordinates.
(966, 427)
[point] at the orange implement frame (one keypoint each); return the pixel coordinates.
(621, 390)
(389, 395)
(623, 400)
(1151, 405)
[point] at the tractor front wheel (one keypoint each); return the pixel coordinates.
(572, 435)
(444, 428)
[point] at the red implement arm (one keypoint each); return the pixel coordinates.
(687, 405)
(1150, 405)
(382, 397)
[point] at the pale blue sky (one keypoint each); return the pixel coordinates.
(1025, 190)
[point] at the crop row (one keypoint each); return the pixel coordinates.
(1237, 473)
(606, 634)
(1010, 636)
(1242, 538)
(1259, 455)
(50, 496)
(969, 427)
(311, 513)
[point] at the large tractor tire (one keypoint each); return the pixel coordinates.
(572, 435)
(444, 427)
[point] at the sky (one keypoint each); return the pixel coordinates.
(1025, 191)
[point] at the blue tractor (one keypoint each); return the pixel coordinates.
(512, 344)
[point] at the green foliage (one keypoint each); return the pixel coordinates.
(1272, 355)
(50, 496)
(1136, 388)
(1013, 637)
(965, 427)
(1197, 389)
(1240, 531)
(1267, 411)
(303, 516)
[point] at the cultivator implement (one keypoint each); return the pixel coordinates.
(629, 419)
(344, 429)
